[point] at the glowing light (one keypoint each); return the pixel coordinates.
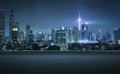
(84, 41)
(87, 22)
(63, 28)
(116, 28)
(15, 29)
(79, 22)
(40, 32)
(52, 44)
(79, 19)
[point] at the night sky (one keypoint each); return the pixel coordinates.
(43, 15)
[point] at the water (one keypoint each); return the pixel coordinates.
(59, 64)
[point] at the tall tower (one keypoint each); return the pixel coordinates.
(27, 32)
(2, 25)
(83, 28)
(116, 34)
(99, 34)
(11, 22)
(84, 31)
(75, 34)
(53, 35)
(14, 33)
(61, 39)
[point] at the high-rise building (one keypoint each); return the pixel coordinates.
(116, 35)
(21, 36)
(75, 34)
(2, 25)
(49, 37)
(14, 33)
(84, 31)
(53, 35)
(94, 37)
(70, 35)
(40, 37)
(108, 37)
(11, 23)
(31, 36)
(99, 35)
(90, 36)
(27, 32)
(61, 38)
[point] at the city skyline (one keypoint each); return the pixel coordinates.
(55, 14)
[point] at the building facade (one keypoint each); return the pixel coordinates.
(11, 23)
(15, 33)
(84, 31)
(61, 39)
(27, 32)
(116, 35)
(21, 36)
(2, 25)
(31, 36)
(75, 34)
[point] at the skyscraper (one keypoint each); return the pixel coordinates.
(31, 36)
(90, 36)
(21, 36)
(53, 35)
(14, 33)
(108, 37)
(70, 34)
(61, 39)
(99, 35)
(2, 25)
(11, 23)
(116, 34)
(75, 34)
(40, 37)
(84, 31)
(27, 32)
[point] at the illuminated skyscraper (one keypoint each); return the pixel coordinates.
(40, 37)
(61, 38)
(75, 34)
(11, 23)
(2, 25)
(84, 31)
(15, 33)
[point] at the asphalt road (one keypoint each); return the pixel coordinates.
(56, 62)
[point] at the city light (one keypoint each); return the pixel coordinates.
(62, 37)
(15, 29)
